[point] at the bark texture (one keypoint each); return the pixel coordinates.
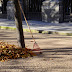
(18, 22)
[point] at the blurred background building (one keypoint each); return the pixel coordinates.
(51, 11)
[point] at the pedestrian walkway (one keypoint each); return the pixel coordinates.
(56, 56)
(40, 27)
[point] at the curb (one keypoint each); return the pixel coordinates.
(39, 31)
(58, 33)
(13, 28)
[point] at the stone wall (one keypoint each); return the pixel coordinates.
(50, 11)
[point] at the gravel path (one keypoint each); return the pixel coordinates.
(56, 57)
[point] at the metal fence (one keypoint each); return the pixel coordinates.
(32, 9)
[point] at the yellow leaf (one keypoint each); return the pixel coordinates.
(3, 46)
(2, 60)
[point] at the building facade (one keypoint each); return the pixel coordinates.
(51, 11)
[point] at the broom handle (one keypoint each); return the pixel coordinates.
(26, 20)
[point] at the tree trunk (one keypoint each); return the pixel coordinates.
(18, 22)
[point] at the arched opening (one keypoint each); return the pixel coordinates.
(4, 4)
(32, 9)
(3, 10)
(67, 10)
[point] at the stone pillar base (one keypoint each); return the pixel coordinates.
(10, 10)
(50, 11)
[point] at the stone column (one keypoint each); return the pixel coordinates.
(10, 10)
(50, 11)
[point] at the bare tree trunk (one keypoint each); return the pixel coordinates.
(18, 22)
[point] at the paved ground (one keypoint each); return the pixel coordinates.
(40, 27)
(56, 57)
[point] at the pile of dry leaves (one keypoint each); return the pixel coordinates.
(8, 51)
